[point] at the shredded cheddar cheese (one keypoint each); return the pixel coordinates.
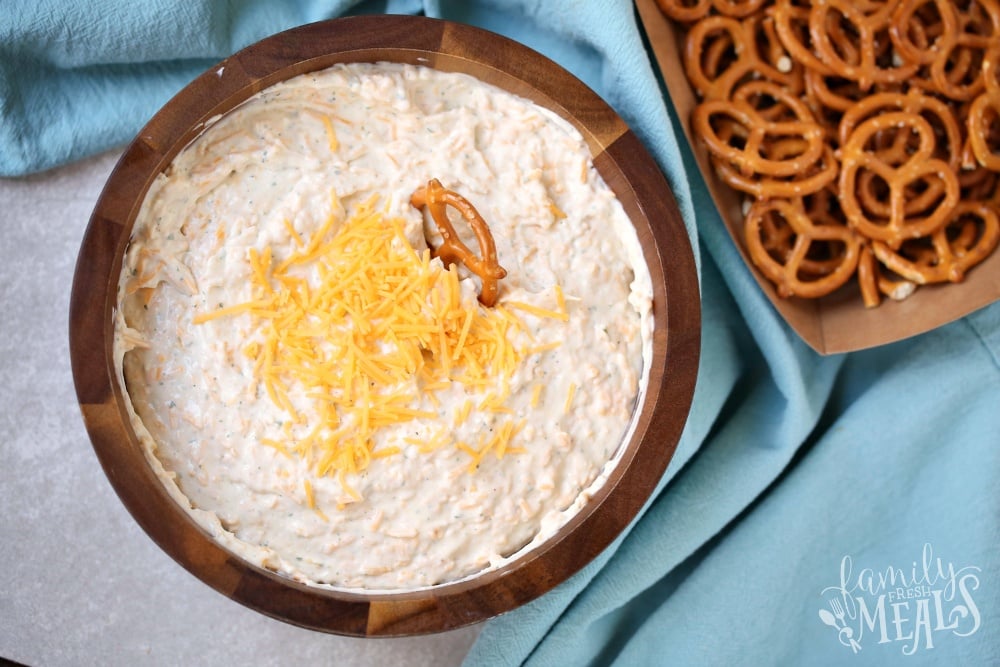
(331, 134)
(570, 395)
(359, 325)
(536, 395)
(539, 312)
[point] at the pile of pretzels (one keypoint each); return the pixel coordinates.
(865, 134)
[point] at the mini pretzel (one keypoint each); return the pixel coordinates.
(694, 10)
(956, 71)
(773, 60)
(858, 156)
(786, 272)
(720, 52)
(757, 128)
(855, 56)
(792, 25)
(737, 8)
(685, 12)
(831, 92)
(909, 23)
(778, 240)
(873, 284)
(984, 115)
(955, 248)
(895, 149)
(868, 278)
(921, 195)
(980, 184)
(946, 127)
(452, 251)
(819, 176)
(716, 56)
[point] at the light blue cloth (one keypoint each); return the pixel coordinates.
(794, 471)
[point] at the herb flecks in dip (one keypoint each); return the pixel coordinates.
(326, 398)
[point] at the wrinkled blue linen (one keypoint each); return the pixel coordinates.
(838, 510)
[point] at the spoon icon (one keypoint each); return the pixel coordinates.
(828, 619)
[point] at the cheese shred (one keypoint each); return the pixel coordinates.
(359, 349)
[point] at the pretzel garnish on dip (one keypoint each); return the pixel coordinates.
(437, 199)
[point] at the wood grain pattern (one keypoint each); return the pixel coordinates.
(622, 161)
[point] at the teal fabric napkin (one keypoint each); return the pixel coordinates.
(819, 511)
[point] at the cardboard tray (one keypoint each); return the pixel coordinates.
(838, 322)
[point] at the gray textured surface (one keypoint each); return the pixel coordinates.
(80, 583)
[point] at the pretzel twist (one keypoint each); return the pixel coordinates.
(895, 147)
(757, 128)
(984, 115)
(452, 250)
(956, 72)
(694, 10)
(820, 175)
(685, 12)
(899, 179)
(836, 94)
(855, 56)
(955, 248)
(946, 127)
(909, 23)
(786, 270)
(791, 22)
(873, 283)
(721, 52)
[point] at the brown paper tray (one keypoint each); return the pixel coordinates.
(839, 322)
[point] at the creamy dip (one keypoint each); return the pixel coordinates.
(487, 463)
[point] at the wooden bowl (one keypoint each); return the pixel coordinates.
(618, 156)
